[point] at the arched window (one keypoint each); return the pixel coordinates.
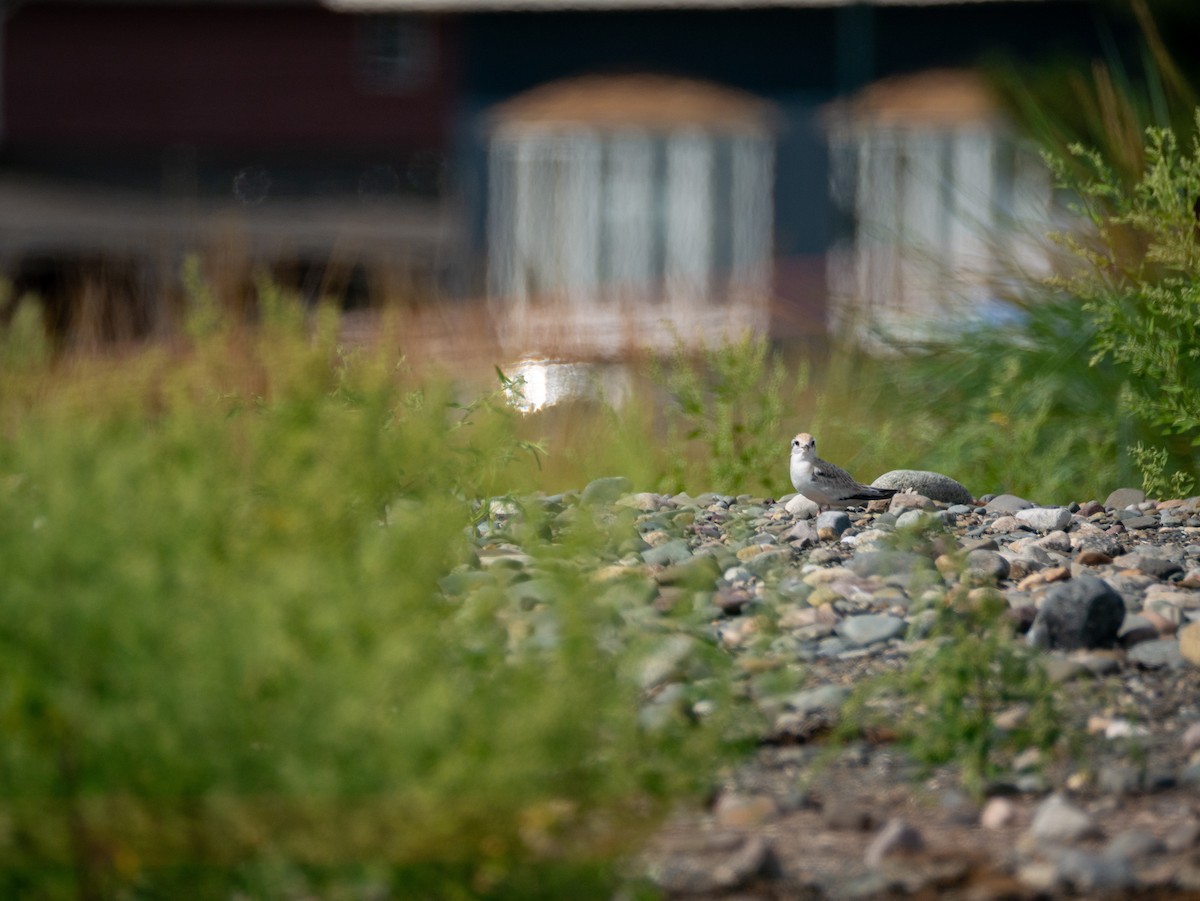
(643, 200)
(940, 202)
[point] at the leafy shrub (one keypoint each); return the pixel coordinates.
(226, 664)
(1139, 281)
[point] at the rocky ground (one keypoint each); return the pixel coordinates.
(1109, 595)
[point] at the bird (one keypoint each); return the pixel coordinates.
(823, 483)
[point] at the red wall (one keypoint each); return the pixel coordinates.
(219, 76)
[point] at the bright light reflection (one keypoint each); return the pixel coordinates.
(545, 383)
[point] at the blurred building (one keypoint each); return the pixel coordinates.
(629, 210)
(946, 203)
(602, 170)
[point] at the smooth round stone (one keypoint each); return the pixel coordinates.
(1088, 872)
(801, 507)
(1045, 519)
(933, 485)
(1082, 613)
(1158, 567)
(1156, 654)
(916, 519)
(888, 563)
(1058, 820)
(832, 523)
(1141, 522)
(1006, 504)
(870, 628)
(605, 490)
(987, 565)
(1135, 844)
(1124, 497)
(674, 551)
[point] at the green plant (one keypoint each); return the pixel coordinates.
(226, 665)
(1138, 278)
(732, 401)
(969, 670)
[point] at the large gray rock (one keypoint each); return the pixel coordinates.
(1083, 613)
(1124, 497)
(932, 485)
(870, 628)
(1007, 504)
(605, 490)
(1045, 519)
(1058, 821)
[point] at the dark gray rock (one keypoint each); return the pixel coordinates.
(1141, 522)
(1088, 872)
(802, 535)
(832, 523)
(1006, 504)
(1059, 821)
(888, 563)
(1135, 844)
(1159, 567)
(674, 551)
(987, 566)
(870, 628)
(605, 490)
(932, 485)
(1124, 497)
(1083, 613)
(1101, 543)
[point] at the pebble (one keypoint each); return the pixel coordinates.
(1007, 503)
(870, 628)
(807, 603)
(1087, 872)
(1124, 497)
(1135, 844)
(1058, 820)
(1157, 653)
(831, 524)
(1045, 519)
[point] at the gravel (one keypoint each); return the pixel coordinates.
(1109, 592)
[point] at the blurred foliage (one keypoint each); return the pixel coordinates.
(1105, 103)
(731, 401)
(1138, 280)
(226, 664)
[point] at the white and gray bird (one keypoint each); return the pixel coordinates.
(823, 483)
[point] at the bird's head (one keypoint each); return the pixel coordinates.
(804, 446)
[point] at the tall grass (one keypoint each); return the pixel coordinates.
(226, 663)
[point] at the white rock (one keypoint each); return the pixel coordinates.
(801, 507)
(1045, 519)
(998, 813)
(1058, 820)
